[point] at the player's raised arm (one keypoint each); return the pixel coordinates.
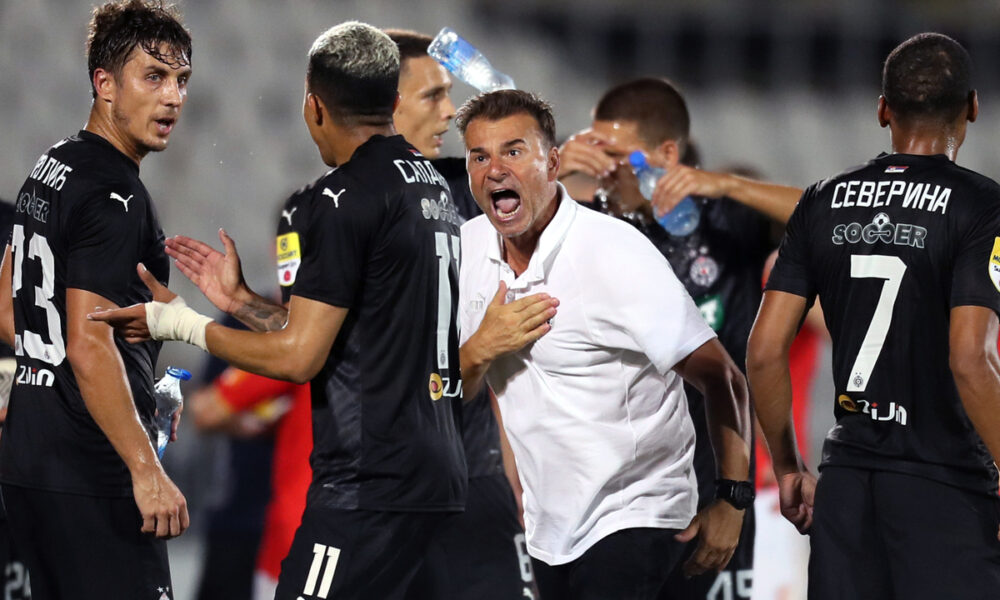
(294, 353)
(220, 277)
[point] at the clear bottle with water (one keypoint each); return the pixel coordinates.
(167, 393)
(684, 217)
(467, 63)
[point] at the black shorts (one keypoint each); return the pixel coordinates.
(14, 580)
(877, 534)
(355, 554)
(631, 564)
(479, 554)
(735, 582)
(85, 547)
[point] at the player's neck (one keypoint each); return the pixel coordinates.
(101, 123)
(347, 140)
(927, 141)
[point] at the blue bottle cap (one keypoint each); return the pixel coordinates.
(179, 373)
(637, 159)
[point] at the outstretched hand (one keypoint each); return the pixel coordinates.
(717, 527)
(130, 323)
(219, 276)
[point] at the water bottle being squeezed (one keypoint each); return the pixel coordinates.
(467, 63)
(167, 393)
(684, 217)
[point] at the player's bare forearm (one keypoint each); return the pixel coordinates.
(976, 368)
(774, 200)
(727, 406)
(474, 360)
(100, 375)
(295, 353)
(6, 300)
(261, 314)
(770, 379)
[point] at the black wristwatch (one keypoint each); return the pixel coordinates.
(738, 493)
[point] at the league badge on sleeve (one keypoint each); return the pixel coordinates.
(995, 264)
(289, 258)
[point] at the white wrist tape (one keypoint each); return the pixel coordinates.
(175, 321)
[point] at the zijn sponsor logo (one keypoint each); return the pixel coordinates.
(878, 411)
(31, 376)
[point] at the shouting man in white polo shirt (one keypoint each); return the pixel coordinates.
(591, 398)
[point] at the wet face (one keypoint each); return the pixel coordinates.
(148, 98)
(512, 173)
(425, 108)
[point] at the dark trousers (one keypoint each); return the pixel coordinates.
(84, 547)
(883, 535)
(631, 564)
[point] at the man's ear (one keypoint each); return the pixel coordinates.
(553, 163)
(973, 113)
(669, 153)
(105, 85)
(315, 110)
(883, 113)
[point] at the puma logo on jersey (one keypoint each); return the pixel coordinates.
(287, 214)
(336, 197)
(124, 201)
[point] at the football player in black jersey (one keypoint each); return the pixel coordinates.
(479, 554)
(904, 254)
(720, 263)
(77, 464)
(371, 322)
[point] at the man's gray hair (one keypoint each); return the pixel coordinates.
(358, 50)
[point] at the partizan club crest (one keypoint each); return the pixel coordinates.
(704, 271)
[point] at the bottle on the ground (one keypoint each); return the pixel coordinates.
(169, 399)
(467, 63)
(684, 217)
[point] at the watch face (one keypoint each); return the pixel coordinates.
(743, 494)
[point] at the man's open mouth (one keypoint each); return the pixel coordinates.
(506, 203)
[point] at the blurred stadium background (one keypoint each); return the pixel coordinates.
(787, 87)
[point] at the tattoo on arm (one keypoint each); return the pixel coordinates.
(261, 314)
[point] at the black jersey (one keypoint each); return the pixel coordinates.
(720, 264)
(83, 220)
(382, 240)
(480, 433)
(890, 247)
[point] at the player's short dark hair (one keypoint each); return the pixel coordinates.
(654, 104)
(928, 76)
(117, 27)
(354, 69)
(411, 44)
(501, 104)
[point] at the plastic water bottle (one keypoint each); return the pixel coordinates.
(167, 393)
(684, 217)
(467, 63)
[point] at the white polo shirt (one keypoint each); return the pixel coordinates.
(597, 420)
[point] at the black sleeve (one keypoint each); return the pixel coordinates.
(104, 243)
(288, 246)
(791, 271)
(338, 236)
(976, 272)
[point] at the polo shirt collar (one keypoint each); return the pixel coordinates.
(549, 242)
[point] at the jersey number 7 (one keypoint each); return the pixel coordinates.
(891, 269)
